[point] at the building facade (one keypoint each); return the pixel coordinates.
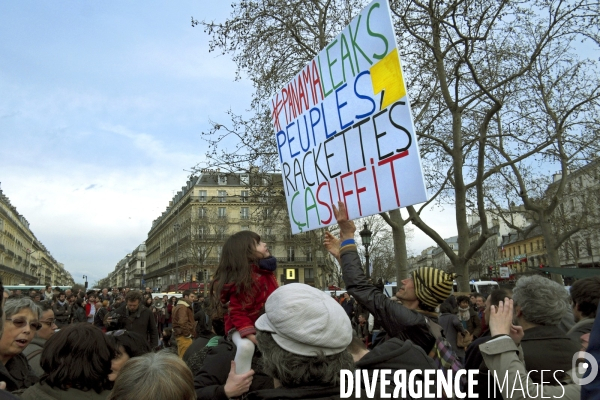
(184, 244)
(23, 258)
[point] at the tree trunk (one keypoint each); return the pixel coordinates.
(400, 258)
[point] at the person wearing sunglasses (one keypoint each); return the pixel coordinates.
(22, 322)
(33, 352)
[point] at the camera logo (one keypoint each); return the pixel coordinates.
(581, 362)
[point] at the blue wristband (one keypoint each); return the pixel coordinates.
(347, 242)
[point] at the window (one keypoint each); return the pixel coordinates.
(202, 232)
(245, 227)
(202, 212)
(588, 246)
(267, 212)
(576, 245)
(244, 213)
(309, 273)
(222, 232)
(566, 250)
(244, 179)
(219, 251)
(309, 255)
(244, 196)
(222, 212)
(531, 246)
(571, 205)
(202, 195)
(222, 196)
(222, 179)
(538, 244)
(291, 254)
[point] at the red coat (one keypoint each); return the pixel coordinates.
(244, 310)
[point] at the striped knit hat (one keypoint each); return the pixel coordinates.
(432, 285)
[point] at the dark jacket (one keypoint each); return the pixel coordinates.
(99, 317)
(17, 374)
(62, 313)
(45, 392)
(547, 348)
(210, 381)
(309, 392)
(591, 390)
(397, 320)
(395, 355)
(452, 326)
(78, 314)
(141, 321)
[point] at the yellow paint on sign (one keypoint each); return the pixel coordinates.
(386, 76)
(290, 274)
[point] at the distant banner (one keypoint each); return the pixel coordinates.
(344, 128)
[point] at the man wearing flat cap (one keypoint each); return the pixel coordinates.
(303, 336)
(420, 294)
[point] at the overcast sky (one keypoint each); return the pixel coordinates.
(101, 109)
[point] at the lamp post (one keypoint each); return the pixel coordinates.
(86, 282)
(365, 235)
(176, 226)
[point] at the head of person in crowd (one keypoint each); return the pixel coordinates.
(68, 292)
(166, 336)
(105, 303)
(62, 297)
(162, 374)
(78, 356)
(148, 302)
(480, 301)
(539, 301)
(105, 292)
(185, 296)
(585, 295)
(173, 300)
(303, 336)
(463, 301)
(117, 302)
(18, 292)
(71, 298)
(127, 345)
(91, 297)
(22, 318)
(495, 297)
(32, 293)
(425, 289)
(133, 300)
(165, 299)
(48, 322)
(37, 297)
(239, 251)
(148, 290)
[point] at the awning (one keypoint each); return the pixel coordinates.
(578, 273)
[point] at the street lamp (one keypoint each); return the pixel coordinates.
(86, 282)
(365, 235)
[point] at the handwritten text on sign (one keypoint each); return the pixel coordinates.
(344, 129)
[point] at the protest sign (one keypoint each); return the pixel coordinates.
(344, 128)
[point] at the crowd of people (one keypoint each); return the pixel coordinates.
(248, 338)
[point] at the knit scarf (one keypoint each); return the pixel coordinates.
(463, 313)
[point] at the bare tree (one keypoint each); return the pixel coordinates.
(471, 69)
(474, 64)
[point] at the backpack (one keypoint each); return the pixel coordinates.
(443, 355)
